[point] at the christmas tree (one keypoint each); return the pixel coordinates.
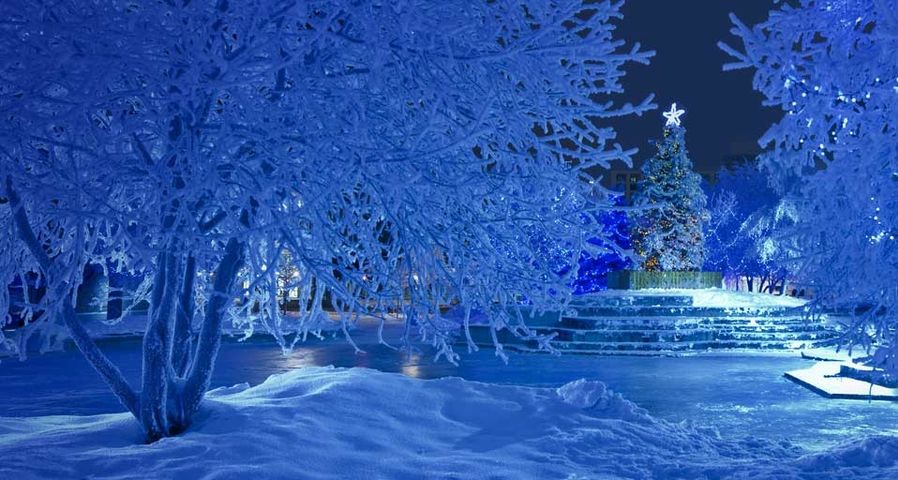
(668, 232)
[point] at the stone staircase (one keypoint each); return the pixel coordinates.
(634, 324)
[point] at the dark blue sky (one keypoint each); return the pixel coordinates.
(724, 114)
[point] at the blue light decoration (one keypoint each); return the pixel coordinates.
(592, 274)
(607, 250)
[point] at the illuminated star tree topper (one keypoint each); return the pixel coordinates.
(673, 115)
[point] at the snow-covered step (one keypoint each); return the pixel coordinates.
(607, 347)
(625, 353)
(611, 336)
(818, 330)
(542, 319)
(627, 324)
(663, 342)
(662, 324)
(655, 353)
(654, 323)
(600, 300)
(678, 311)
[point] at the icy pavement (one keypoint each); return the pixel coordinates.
(323, 423)
(738, 395)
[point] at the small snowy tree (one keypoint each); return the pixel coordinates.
(740, 204)
(830, 66)
(192, 143)
(667, 232)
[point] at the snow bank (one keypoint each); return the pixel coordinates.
(593, 395)
(325, 423)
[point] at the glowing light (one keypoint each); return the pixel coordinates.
(673, 115)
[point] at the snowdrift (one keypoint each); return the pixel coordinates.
(324, 423)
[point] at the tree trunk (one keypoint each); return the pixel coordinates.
(197, 381)
(157, 349)
(172, 384)
(181, 375)
(182, 339)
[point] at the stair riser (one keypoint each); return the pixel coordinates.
(636, 300)
(654, 342)
(686, 327)
(681, 347)
(658, 349)
(671, 324)
(690, 337)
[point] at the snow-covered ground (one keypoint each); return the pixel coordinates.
(716, 297)
(318, 422)
(738, 395)
(323, 423)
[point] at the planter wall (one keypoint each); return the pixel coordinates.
(638, 280)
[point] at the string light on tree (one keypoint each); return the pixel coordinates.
(668, 232)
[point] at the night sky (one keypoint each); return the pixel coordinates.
(724, 117)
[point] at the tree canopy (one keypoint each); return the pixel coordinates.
(830, 66)
(399, 151)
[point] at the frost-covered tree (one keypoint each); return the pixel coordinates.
(740, 205)
(667, 232)
(830, 66)
(399, 151)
